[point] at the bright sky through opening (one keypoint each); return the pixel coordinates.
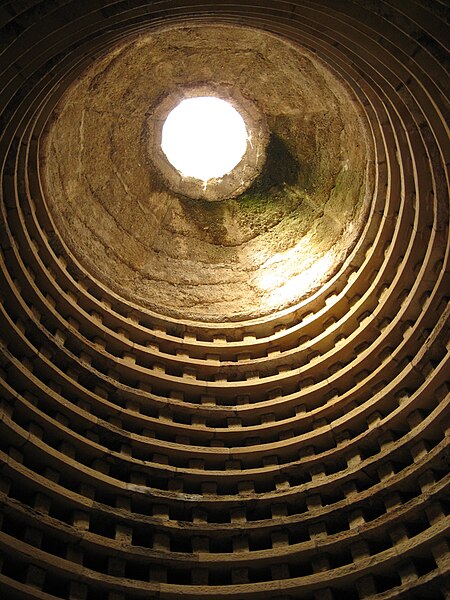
(204, 137)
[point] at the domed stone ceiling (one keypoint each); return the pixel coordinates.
(239, 258)
(299, 455)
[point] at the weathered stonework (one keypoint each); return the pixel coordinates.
(243, 257)
(300, 454)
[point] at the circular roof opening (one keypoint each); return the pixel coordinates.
(207, 142)
(204, 137)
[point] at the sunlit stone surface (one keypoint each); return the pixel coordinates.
(168, 248)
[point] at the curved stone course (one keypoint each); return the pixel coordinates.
(301, 451)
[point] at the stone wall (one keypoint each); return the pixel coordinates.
(295, 451)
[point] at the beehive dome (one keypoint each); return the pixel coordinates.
(234, 388)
